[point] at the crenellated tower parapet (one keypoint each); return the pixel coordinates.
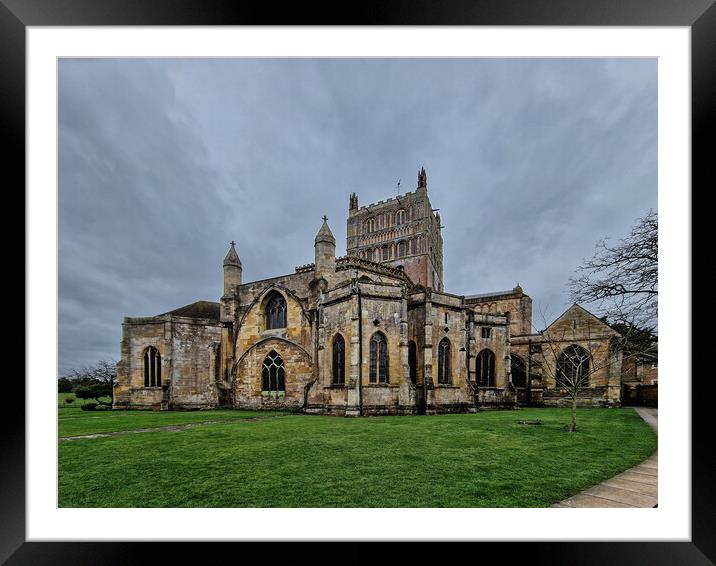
(401, 231)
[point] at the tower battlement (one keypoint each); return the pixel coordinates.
(402, 230)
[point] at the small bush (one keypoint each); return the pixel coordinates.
(69, 399)
(89, 407)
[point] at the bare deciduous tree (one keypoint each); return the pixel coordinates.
(640, 344)
(621, 280)
(569, 359)
(96, 381)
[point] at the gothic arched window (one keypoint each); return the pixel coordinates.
(339, 360)
(152, 367)
(400, 217)
(519, 371)
(401, 249)
(275, 311)
(444, 361)
(573, 367)
(485, 369)
(386, 253)
(273, 373)
(413, 361)
(378, 359)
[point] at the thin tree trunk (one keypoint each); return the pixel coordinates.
(573, 426)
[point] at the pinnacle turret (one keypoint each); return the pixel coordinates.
(325, 234)
(325, 252)
(422, 179)
(232, 258)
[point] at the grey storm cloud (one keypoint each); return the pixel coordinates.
(163, 161)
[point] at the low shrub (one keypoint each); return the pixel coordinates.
(69, 399)
(89, 407)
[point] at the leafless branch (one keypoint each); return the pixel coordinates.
(104, 371)
(568, 358)
(621, 280)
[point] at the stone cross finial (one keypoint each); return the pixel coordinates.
(232, 243)
(325, 218)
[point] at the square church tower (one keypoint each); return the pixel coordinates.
(402, 231)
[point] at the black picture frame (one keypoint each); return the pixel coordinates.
(17, 15)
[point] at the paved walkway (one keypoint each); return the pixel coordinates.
(650, 415)
(637, 487)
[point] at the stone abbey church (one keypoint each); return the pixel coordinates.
(372, 332)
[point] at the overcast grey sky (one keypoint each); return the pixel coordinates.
(163, 162)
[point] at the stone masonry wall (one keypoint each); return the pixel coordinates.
(138, 334)
(187, 361)
(247, 383)
(253, 323)
(335, 318)
(376, 227)
(382, 310)
(579, 327)
(193, 377)
(497, 343)
(416, 332)
(254, 342)
(449, 322)
(517, 304)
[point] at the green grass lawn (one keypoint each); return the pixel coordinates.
(82, 422)
(284, 460)
(73, 421)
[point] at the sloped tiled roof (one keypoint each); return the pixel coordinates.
(199, 309)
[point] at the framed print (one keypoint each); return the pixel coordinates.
(457, 371)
